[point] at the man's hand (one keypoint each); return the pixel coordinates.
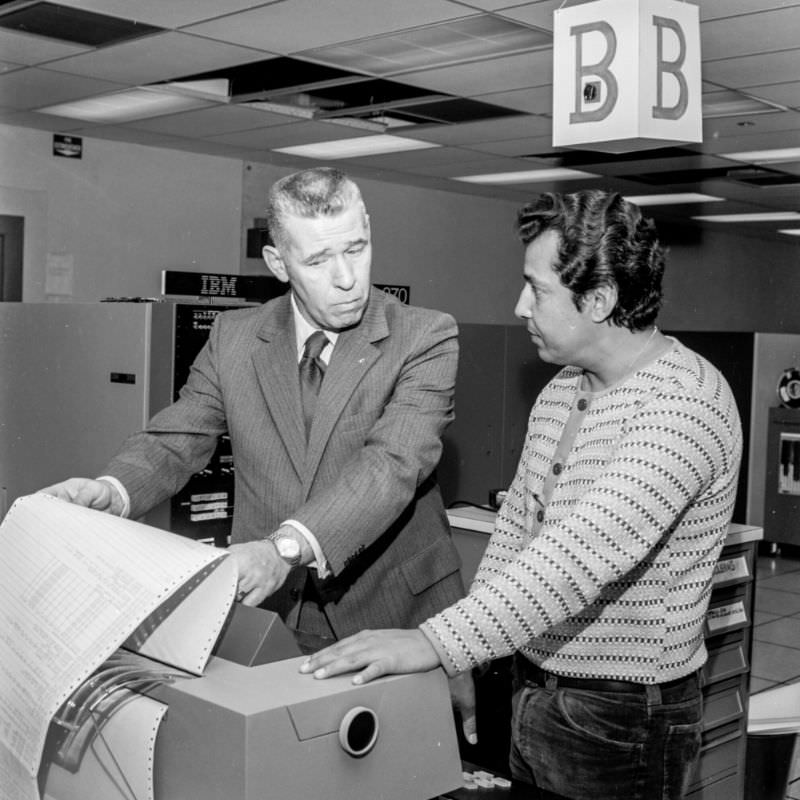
(261, 570)
(375, 653)
(462, 694)
(86, 492)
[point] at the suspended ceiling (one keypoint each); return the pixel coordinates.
(473, 77)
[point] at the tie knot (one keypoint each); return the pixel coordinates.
(315, 344)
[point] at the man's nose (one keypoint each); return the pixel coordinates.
(344, 276)
(522, 310)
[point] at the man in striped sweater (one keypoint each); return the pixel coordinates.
(598, 573)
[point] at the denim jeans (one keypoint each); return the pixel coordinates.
(593, 745)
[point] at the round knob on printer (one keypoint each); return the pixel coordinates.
(358, 731)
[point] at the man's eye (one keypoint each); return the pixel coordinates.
(356, 249)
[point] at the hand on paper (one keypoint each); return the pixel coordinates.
(261, 570)
(375, 653)
(99, 495)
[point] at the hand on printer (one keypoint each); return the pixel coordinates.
(375, 653)
(393, 652)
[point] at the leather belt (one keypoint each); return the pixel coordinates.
(540, 677)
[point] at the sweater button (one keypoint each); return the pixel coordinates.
(540, 515)
(557, 469)
(582, 404)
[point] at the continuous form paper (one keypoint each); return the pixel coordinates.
(76, 584)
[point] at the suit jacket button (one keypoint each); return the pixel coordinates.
(294, 594)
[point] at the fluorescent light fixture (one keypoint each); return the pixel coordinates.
(672, 199)
(765, 156)
(790, 231)
(358, 146)
(768, 216)
(528, 176)
(130, 104)
(303, 112)
(737, 106)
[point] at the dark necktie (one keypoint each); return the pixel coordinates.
(312, 370)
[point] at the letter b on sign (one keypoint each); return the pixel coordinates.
(626, 75)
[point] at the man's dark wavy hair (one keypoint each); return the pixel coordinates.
(604, 240)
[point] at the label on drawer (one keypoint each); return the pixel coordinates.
(726, 616)
(730, 569)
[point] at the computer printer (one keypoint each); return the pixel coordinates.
(253, 728)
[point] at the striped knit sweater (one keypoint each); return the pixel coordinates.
(601, 560)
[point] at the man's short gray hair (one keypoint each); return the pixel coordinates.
(316, 192)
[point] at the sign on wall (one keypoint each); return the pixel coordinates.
(626, 75)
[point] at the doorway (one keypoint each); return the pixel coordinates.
(12, 231)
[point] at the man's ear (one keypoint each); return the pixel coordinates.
(273, 260)
(601, 301)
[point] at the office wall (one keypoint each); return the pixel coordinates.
(120, 214)
(124, 212)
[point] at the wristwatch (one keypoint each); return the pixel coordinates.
(288, 549)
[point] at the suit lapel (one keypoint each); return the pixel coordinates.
(275, 364)
(353, 357)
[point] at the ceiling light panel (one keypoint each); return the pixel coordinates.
(674, 198)
(66, 24)
(478, 37)
(528, 176)
(731, 104)
(767, 216)
(790, 231)
(353, 148)
(775, 156)
(132, 104)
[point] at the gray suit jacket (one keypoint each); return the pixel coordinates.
(363, 486)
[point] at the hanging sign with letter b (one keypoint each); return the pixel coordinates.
(626, 75)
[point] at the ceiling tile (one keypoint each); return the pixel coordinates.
(26, 49)
(46, 122)
(759, 124)
(295, 25)
(542, 142)
(491, 130)
(76, 25)
(296, 133)
(538, 100)
(787, 94)
(479, 36)
(211, 121)
(715, 9)
(421, 160)
(763, 32)
(538, 14)
(746, 71)
(34, 87)
(166, 15)
(166, 56)
(495, 75)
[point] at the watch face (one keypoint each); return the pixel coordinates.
(289, 550)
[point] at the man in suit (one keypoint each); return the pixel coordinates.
(338, 525)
